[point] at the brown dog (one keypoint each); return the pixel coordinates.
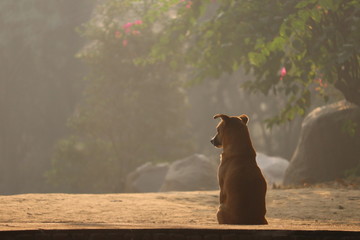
(242, 185)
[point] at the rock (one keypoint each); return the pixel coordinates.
(273, 168)
(193, 173)
(147, 178)
(329, 145)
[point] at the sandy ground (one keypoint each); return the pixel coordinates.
(305, 208)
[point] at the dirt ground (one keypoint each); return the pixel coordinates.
(303, 208)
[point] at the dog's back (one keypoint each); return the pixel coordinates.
(242, 194)
(242, 185)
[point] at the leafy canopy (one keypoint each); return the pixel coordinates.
(291, 47)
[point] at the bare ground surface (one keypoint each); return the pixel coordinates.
(298, 209)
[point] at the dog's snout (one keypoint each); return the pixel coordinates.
(215, 141)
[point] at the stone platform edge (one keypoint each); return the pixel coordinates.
(175, 234)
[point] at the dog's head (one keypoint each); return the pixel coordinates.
(225, 123)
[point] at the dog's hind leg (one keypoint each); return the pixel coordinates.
(220, 215)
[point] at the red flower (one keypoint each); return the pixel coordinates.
(127, 25)
(138, 22)
(282, 73)
(188, 5)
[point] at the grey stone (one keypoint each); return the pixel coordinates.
(273, 168)
(327, 147)
(193, 173)
(148, 177)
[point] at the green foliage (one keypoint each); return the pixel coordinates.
(349, 127)
(131, 113)
(315, 41)
(81, 166)
(353, 173)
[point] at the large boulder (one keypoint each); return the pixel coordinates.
(193, 173)
(329, 144)
(148, 177)
(273, 168)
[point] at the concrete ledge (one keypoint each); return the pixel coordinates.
(176, 234)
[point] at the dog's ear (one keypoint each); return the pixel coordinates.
(244, 118)
(222, 116)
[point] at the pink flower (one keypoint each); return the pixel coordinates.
(138, 22)
(188, 5)
(282, 73)
(127, 25)
(125, 42)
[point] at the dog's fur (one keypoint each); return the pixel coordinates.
(242, 185)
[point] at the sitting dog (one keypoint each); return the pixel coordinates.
(242, 185)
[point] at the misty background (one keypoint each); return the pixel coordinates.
(65, 126)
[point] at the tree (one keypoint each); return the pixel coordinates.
(131, 113)
(291, 47)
